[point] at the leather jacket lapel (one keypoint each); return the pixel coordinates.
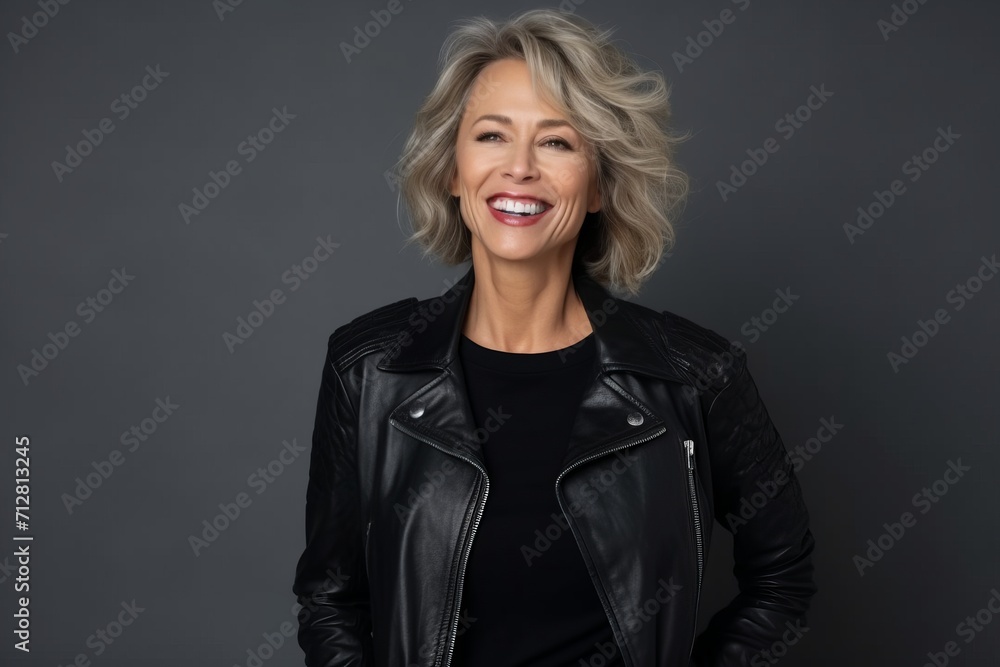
(439, 409)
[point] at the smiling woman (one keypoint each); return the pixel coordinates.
(528, 475)
(564, 111)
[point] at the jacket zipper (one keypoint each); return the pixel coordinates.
(601, 594)
(453, 633)
(367, 533)
(689, 448)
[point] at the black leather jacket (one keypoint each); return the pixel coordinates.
(397, 486)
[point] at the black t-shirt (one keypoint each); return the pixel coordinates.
(528, 599)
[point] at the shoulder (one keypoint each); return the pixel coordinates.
(702, 356)
(374, 330)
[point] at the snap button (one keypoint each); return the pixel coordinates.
(416, 411)
(634, 418)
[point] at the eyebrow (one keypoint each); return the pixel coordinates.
(505, 120)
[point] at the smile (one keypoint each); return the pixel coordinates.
(517, 212)
(519, 207)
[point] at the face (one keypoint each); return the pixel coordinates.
(515, 151)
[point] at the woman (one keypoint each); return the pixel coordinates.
(524, 470)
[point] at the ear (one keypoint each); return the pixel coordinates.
(453, 188)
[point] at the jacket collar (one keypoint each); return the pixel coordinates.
(609, 416)
(621, 343)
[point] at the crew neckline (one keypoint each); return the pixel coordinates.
(528, 362)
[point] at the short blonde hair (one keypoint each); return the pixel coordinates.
(621, 111)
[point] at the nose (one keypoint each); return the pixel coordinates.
(521, 164)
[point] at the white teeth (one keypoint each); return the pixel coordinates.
(511, 206)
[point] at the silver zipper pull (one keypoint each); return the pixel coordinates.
(689, 446)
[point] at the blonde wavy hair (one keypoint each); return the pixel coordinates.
(622, 111)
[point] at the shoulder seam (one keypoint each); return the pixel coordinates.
(368, 332)
(732, 380)
(718, 344)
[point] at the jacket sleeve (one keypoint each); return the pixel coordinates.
(757, 498)
(330, 579)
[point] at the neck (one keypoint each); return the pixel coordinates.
(525, 306)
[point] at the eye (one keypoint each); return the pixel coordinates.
(559, 142)
(488, 135)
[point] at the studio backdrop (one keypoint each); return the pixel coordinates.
(196, 193)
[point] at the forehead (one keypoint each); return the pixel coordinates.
(506, 84)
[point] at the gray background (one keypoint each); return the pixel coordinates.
(325, 176)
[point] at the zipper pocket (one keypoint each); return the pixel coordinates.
(696, 517)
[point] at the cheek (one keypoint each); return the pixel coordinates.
(472, 167)
(571, 177)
